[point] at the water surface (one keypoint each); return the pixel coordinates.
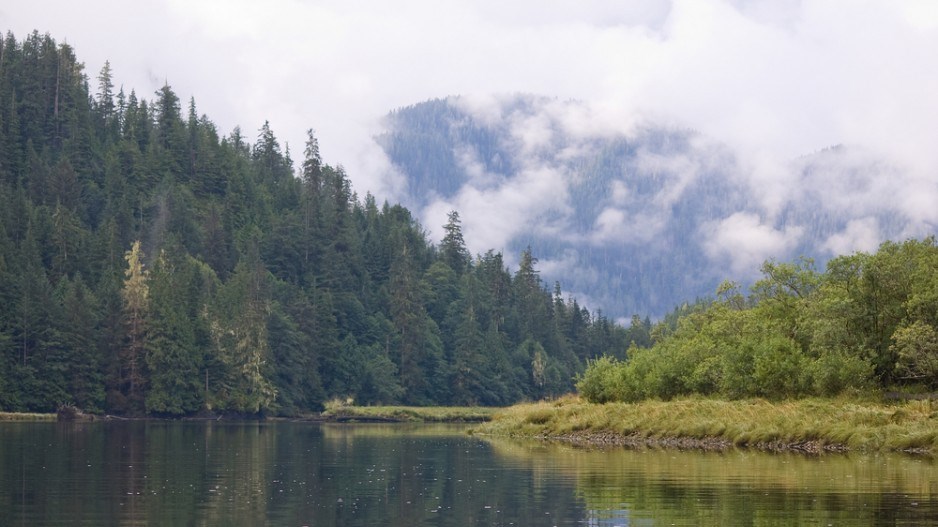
(218, 473)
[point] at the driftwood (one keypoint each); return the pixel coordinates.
(70, 412)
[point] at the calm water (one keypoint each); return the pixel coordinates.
(174, 473)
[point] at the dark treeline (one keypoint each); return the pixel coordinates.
(149, 265)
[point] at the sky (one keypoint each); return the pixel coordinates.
(773, 79)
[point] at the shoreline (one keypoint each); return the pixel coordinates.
(344, 414)
(409, 414)
(26, 417)
(607, 439)
(810, 426)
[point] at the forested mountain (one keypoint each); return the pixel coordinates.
(637, 221)
(151, 265)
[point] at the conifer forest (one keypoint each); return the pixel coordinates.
(151, 264)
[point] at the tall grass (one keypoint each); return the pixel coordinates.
(20, 416)
(806, 423)
(434, 414)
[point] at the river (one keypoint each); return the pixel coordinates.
(282, 473)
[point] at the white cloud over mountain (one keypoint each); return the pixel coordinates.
(772, 78)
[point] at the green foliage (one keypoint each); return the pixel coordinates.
(868, 320)
(596, 383)
(837, 371)
(916, 346)
(173, 358)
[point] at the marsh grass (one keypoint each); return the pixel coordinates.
(427, 414)
(18, 416)
(826, 423)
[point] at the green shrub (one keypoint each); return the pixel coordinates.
(597, 384)
(835, 371)
(779, 368)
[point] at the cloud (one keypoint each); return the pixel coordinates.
(744, 242)
(522, 204)
(614, 226)
(774, 80)
(678, 169)
(858, 182)
(859, 235)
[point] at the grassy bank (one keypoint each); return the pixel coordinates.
(18, 416)
(427, 414)
(808, 424)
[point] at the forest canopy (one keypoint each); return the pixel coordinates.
(150, 265)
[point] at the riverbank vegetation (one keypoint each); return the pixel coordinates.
(869, 322)
(25, 416)
(805, 360)
(422, 414)
(812, 424)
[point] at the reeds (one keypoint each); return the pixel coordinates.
(430, 414)
(22, 416)
(812, 424)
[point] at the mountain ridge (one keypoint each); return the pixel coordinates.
(634, 220)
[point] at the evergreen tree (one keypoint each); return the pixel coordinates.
(468, 369)
(170, 154)
(106, 113)
(416, 343)
(172, 355)
(453, 247)
(80, 328)
(268, 293)
(240, 335)
(312, 195)
(41, 368)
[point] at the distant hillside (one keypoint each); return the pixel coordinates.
(633, 222)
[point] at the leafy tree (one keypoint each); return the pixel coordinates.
(916, 347)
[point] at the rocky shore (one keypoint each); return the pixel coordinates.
(606, 439)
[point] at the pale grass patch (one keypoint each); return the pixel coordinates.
(855, 424)
(24, 416)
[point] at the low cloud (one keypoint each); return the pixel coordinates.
(744, 242)
(770, 80)
(614, 226)
(859, 235)
(773, 79)
(494, 215)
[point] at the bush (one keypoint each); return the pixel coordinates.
(737, 381)
(780, 368)
(835, 371)
(597, 384)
